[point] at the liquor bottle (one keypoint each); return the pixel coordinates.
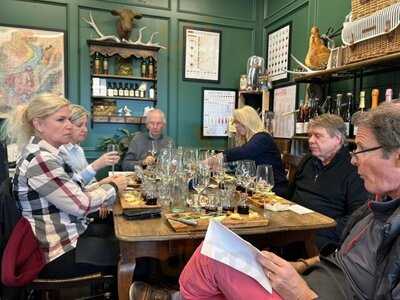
(150, 68)
(110, 90)
(338, 107)
(120, 90)
(361, 108)
(115, 89)
(152, 92)
(137, 92)
(105, 65)
(142, 93)
(388, 95)
(300, 118)
(143, 68)
(306, 116)
(347, 113)
(375, 98)
(126, 90)
(97, 63)
(131, 90)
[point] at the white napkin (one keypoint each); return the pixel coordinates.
(227, 247)
(277, 207)
(301, 210)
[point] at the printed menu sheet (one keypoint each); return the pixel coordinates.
(284, 111)
(218, 107)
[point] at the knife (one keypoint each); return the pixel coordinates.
(184, 221)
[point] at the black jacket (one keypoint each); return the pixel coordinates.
(262, 149)
(388, 254)
(335, 190)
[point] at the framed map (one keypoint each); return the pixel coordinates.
(202, 54)
(32, 61)
(218, 107)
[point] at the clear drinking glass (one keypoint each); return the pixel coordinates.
(264, 178)
(201, 180)
(112, 148)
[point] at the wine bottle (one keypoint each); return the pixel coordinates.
(97, 63)
(137, 92)
(143, 68)
(306, 116)
(375, 98)
(151, 92)
(328, 104)
(126, 90)
(110, 90)
(361, 108)
(347, 113)
(388, 95)
(300, 119)
(115, 89)
(105, 65)
(150, 68)
(338, 104)
(131, 90)
(120, 90)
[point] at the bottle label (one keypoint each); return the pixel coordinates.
(126, 93)
(355, 129)
(305, 127)
(131, 93)
(299, 127)
(110, 92)
(347, 124)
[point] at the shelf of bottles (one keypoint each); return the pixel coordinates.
(344, 105)
(119, 119)
(123, 78)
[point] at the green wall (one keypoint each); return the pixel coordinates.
(239, 21)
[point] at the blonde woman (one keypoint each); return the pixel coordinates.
(73, 153)
(48, 197)
(258, 145)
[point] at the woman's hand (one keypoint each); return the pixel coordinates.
(107, 159)
(103, 212)
(284, 278)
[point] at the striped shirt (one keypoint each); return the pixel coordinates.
(53, 203)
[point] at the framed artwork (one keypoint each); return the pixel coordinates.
(284, 107)
(202, 54)
(278, 51)
(218, 107)
(32, 61)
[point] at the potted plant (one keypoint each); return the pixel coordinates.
(122, 139)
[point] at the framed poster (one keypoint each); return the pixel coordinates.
(218, 107)
(202, 54)
(278, 51)
(284, 107)
(32, 61)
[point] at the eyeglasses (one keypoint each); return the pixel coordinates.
(354, 153)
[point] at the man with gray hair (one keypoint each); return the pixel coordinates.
(144, 145)
(326, 181)
(367, 264)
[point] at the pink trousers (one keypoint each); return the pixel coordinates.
(206, 278)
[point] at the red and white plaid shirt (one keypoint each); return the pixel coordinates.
(53, 203)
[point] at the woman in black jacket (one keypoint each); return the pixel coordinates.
(257, 145)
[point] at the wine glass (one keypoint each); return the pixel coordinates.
(264, 178)
(201, 180)
(112, 148)
(246, 173)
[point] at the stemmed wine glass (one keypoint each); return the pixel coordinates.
(112, 148)
(246, 173)
(264, 178)
(201, 180)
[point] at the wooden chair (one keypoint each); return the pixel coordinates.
(290, 163)
(52, 288)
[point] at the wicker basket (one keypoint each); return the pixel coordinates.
(362, 8)
(376, 46)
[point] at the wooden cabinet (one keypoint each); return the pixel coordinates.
(123, 81)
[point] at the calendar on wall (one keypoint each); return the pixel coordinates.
(278, 51)
(218, 107)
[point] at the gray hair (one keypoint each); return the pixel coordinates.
(384, 122)
(333, 124)
(159, 111)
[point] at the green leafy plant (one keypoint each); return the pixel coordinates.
(122, 139)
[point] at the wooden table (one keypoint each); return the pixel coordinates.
(155, 238)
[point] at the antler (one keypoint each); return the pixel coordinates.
(151, 43)
(308, 70)
(139, 40)
(101, 37)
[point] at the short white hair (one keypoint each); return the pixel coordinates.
(159, 111)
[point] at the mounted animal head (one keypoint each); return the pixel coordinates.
(125, 21)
